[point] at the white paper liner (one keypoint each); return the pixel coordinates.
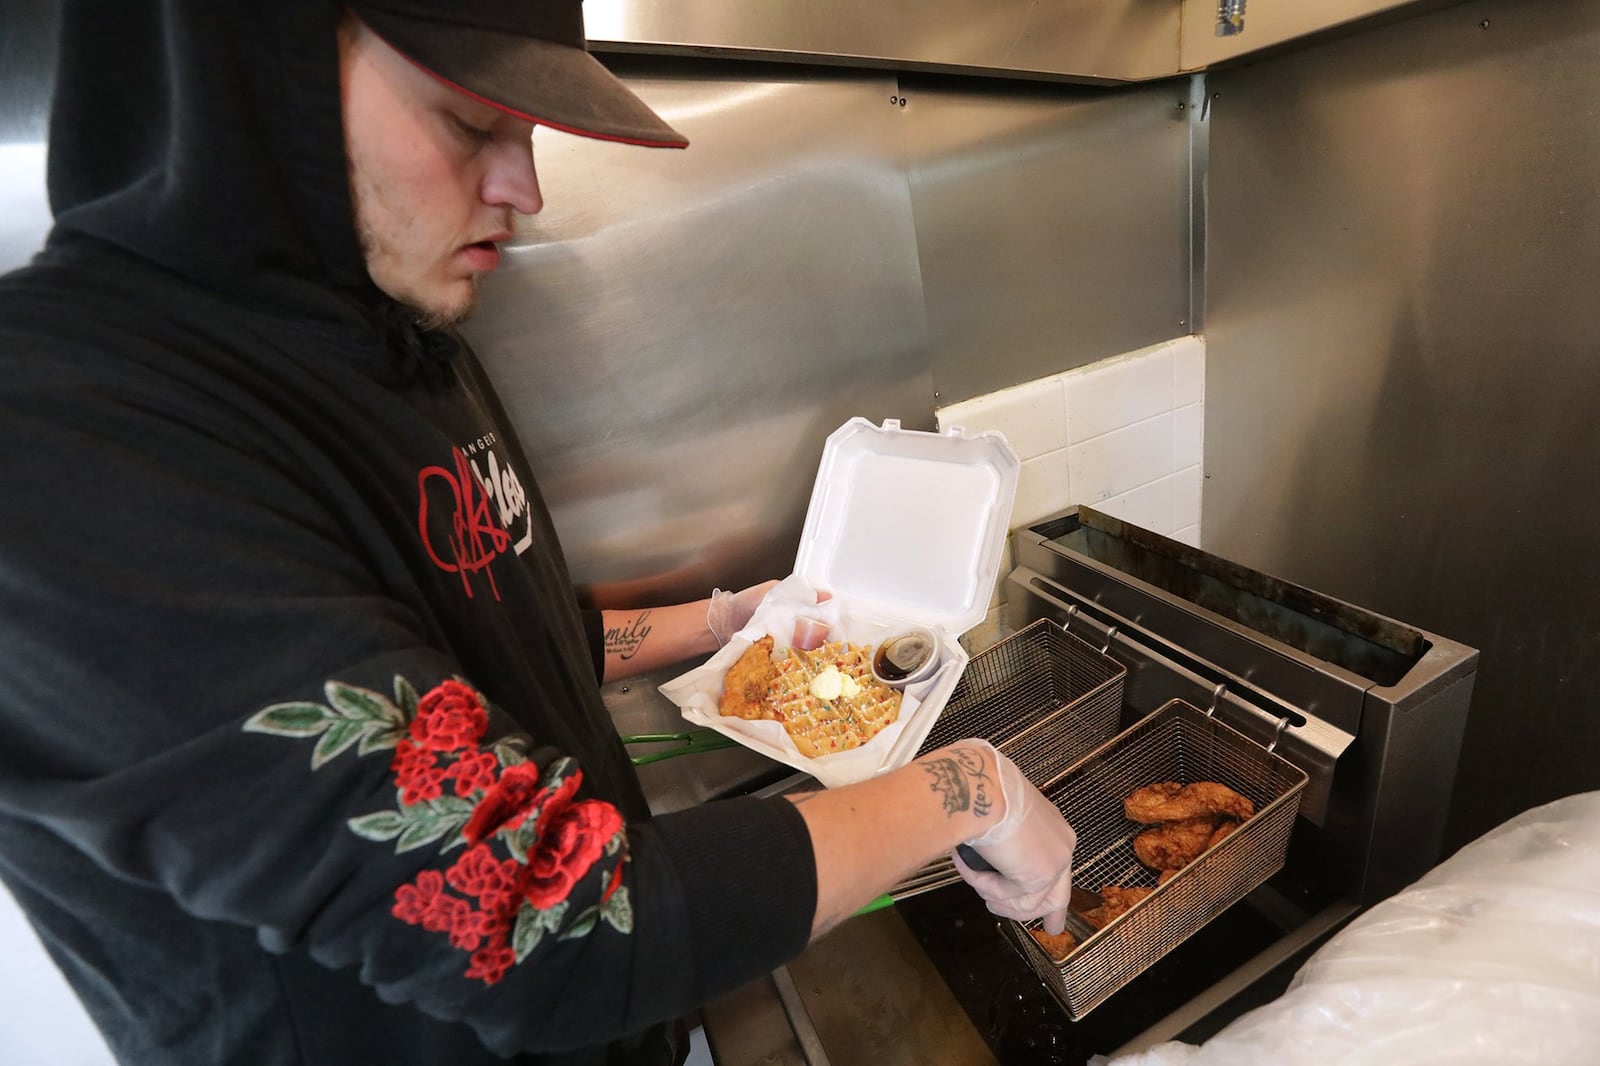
(698, 693)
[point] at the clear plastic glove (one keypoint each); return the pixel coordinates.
(1031, 852)
(730, 611)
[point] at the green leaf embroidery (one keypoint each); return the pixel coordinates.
(520, 841)
(583, 926)
(290, 720)
(422, 831)
(339, 736)
(378, 826)
(527, 933)
(355, 716)
(532, 924)
(406, 696)
(380, 738)
(508, 750)
(361, 705)
(423, 823)
(618, 910)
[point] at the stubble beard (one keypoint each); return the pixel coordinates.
(446, 318)
(375, 251)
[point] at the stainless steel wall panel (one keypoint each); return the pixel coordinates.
(29, 30)
(677, 333)
(1052, 227)
(1402, 370)
(1118, 40)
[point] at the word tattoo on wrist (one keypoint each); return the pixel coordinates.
(623, 641)
(962, 782)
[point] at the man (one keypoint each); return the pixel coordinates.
(303, 757)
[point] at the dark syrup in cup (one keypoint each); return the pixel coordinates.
(899, 657)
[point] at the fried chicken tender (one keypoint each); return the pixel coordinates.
(1059, 946)
(1176, 844)
(744, 689)
(1222, 832)
(1169, 801)
(1117, 901)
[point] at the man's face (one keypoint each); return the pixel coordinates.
(435, 177)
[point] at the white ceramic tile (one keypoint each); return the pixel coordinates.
(1032, 416)
(1117, 393)
(1188, 435)
(1190, 535)
(1186, 497)
(1188, 370)
(1124, 459)
(1043, 488)
(1150, 506)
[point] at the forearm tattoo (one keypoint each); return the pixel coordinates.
(963, 785)
(624, 641)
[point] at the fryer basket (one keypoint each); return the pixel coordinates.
(1043, 697)
(1178, 742)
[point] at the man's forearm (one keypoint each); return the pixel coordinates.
(650, 637)
(869, 836)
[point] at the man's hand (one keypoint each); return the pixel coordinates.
(1031, 852)
(731, 611)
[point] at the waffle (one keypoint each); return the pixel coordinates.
(823, 727)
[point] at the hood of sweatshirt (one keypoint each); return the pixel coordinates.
(207, 138)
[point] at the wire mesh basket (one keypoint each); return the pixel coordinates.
(1178, 742)
(1043, 697)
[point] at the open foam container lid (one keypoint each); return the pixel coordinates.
(908, 524)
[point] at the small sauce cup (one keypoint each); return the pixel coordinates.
(809, 633)
(906, 657)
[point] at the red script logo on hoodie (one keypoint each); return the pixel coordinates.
(483, 505)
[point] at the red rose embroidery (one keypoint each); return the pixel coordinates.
(417, 774)
(491, 963)
(570, 841)
(411, 902)
(473, 772)
(479, 873)
(449, 718)
(444, 913)
(504, 804)
(478, 899)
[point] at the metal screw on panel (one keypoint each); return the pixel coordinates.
(1182, 105)
(1483, 25)
(624, 690)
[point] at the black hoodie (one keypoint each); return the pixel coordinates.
(302, 755)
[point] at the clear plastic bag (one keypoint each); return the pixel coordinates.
(1491, 957)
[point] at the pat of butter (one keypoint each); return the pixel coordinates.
(848, 687)
(828, 684)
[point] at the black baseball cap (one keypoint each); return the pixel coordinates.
(528, 58)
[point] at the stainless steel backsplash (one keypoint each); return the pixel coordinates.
(677, 333)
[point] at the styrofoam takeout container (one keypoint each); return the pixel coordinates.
(904, 527)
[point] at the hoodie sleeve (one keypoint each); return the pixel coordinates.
(209, 690)
(594, 628)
